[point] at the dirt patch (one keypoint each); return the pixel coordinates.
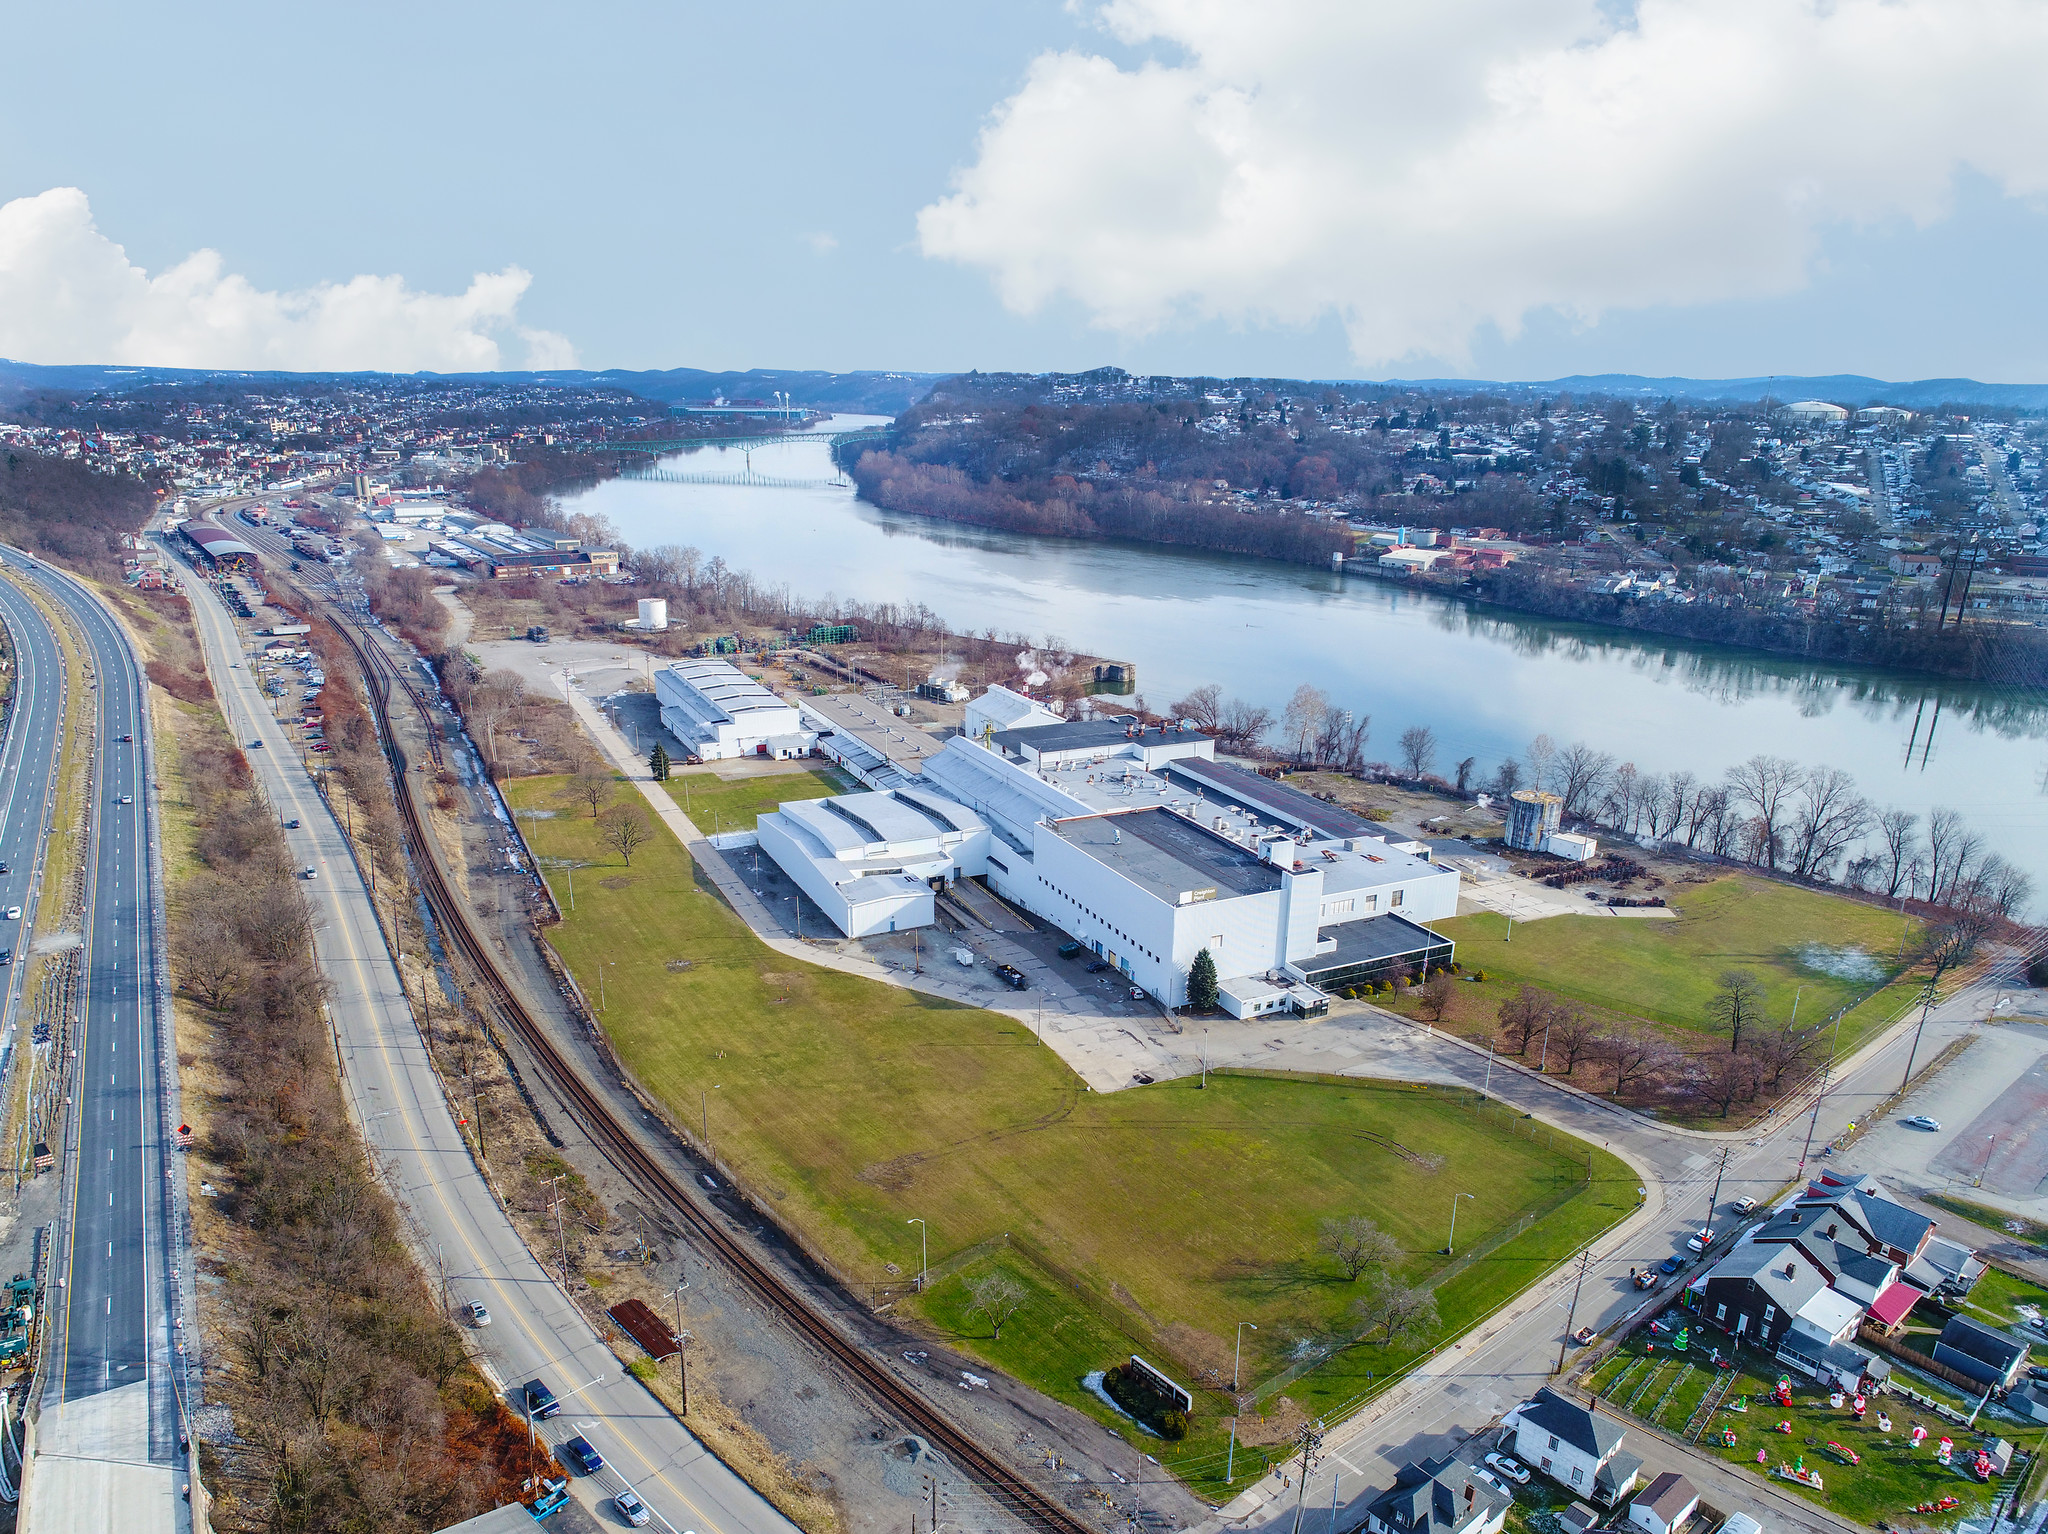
(616, 882)
(1277, 1425)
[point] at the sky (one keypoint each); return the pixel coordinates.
(1302, 188)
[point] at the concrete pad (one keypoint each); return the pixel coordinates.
(97, 1496)
(2005, 1145)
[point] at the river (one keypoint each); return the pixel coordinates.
(1486, 680)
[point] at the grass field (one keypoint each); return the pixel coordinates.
(1667, 971)
(1893, 1478)
(1151, 1220)
(715, 804)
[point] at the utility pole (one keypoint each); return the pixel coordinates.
(1926, 1006)
(561, 1234)
(1311, 1440)
(1572, 1315)
(1715, 1202)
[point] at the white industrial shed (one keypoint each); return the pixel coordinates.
(719, 712)
(870, 861)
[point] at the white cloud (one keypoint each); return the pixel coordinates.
(821, 242)
(69, 294)
(1422, 171)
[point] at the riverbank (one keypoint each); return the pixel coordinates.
(1486, 679)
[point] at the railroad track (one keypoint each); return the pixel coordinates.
(1002, 1484)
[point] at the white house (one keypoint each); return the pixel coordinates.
(1573, 1445)
(1664, 1505)
(718, 712)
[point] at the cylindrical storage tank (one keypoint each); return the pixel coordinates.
(653, 613)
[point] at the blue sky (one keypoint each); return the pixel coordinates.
(733, 186)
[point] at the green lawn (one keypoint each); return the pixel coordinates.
(1890, 1481)
(1668, 971)
(1991, 1219)
(715, 804)
(1149, 1220)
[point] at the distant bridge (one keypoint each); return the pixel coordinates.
(834, 439)
(733, 477)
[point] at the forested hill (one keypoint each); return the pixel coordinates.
(59, 508)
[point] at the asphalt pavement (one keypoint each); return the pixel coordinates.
(458, 1224)
(108, 1441)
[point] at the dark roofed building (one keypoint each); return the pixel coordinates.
(1664, 1505)
(1574, 1445)
(1989, 1357)
(1437, 1496)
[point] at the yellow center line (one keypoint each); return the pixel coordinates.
(419, 1135)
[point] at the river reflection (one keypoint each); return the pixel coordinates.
(1487, 680)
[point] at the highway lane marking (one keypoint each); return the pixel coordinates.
(423, 1148)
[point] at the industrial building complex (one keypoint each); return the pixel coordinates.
(1134, 840)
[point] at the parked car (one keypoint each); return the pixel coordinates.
(1744, 1206)
(478, 1316)
(1922, 1121)
(1097, 967)
(588, 1460)
(540, 1400)
(1700, 1240)
(631, 1508)
(1508, 1469)
(1644, 1279)
(1671, 1264)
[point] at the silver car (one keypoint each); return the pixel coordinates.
(631, 1508)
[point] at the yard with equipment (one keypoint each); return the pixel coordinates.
(1148, 1221)
(1869, 1469)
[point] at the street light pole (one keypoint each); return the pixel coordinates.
(1451, 1242)
(924, 1266)
(1237, 1363)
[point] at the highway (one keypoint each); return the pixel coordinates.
(108, 1439)
(28, 761)
(397, 1101)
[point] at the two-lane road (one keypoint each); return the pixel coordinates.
(536, 1331)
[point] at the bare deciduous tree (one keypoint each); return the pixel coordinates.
(1827, 816)
(1764, 786)
(996, 1297)
(1398, 1311)
(1633, 1053)
(1418, 750)
(1435, 995)
(1737, 1005)
(1303, 718)
(1357, 1244)
(625, 830)
(593, 788)
(1895, 830)
(1202, 707)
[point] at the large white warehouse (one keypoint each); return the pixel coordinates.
(871, 861)
(1145, 849)
(719, 712)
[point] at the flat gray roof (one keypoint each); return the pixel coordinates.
(1168, 855)
(1248, 788)
(1083, 735)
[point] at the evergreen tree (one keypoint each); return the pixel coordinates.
(1202, 983)
(657, 764)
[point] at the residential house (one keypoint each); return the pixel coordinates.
(1775, 1297)
(1573, 1445)
(1664, 1505)
(1438, 1496)
(1987, 1356)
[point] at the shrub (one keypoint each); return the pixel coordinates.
(1173, 1426)
(2037, 970)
